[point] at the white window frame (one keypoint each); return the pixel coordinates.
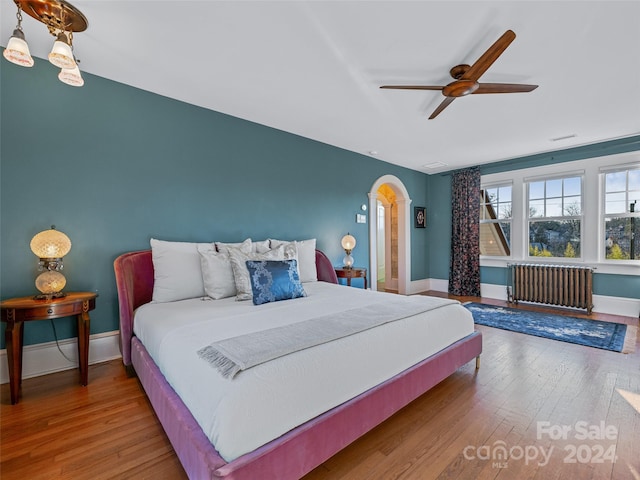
(592, 208)
(545, 178)
(483, 187)
(604, 215)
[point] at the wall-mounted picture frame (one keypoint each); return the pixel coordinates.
(420, 216)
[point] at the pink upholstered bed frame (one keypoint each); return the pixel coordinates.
(300, 450)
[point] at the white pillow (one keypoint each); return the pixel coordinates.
(306, 258)
(260, 247)
(244, 246)
(217, 274)
(241, 272)
(177, 274)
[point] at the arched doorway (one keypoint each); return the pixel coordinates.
(402, 204)
(387, 239)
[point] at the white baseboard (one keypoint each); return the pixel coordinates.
(418, 286)
(44, 358)
(439, 285)
(628, 307)
(498, 292)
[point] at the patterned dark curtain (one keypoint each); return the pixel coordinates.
(464, 274)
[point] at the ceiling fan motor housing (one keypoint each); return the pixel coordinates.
(460, 88)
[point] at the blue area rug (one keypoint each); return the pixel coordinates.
(591, 333)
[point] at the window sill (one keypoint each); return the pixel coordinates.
(622, 268)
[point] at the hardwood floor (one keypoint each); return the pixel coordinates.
(108, 430)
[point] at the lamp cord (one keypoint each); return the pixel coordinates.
(55, 335)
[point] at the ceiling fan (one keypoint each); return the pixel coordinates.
(466, 77)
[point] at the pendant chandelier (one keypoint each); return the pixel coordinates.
(62, 20)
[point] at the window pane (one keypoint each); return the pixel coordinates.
(554, 188)
(495, 203)
(486, 209)
(504, 210)
(572, 186)
(536, 208)
(572, 206)
(615, 197)
(557, 238)
(618, 236)
(616, 182)
(554, 207)
(495, 239)
(615, 203)
(505, 193)
(634, 179)
(536, 190)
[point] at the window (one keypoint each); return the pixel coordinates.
(622, 214)
(495, 221)
(555, 217)
(583, 211)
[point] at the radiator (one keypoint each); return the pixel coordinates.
(565, 285)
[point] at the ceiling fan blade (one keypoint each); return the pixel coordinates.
(490, 56)
(445, 103)
(413, 87)
(504, 88)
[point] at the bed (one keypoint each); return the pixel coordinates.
(300, 447)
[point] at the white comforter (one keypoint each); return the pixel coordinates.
(266, 401)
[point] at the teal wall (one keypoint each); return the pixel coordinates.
(439, 225)
(112, 166)
(627, 286)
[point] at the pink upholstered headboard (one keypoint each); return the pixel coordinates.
(134, 282)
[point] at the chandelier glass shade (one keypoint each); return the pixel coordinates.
(71, 76)
(17, 50)
(61, 55)
(61, 19)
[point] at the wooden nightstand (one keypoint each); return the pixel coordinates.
(16, 311)
(353, 272)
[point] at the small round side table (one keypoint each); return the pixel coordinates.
(16, 311)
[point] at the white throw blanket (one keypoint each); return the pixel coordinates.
(232, 355)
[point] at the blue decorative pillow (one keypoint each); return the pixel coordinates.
(274, 280)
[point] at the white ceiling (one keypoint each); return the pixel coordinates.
(314, 69)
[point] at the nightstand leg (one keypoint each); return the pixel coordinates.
(83, 346)
(20, 348)
(13, 340)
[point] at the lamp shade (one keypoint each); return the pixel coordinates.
(50, 244)
(347, 261)
(348, 242)
(71, 76)
(17, 50)
(61, 54)
(50, 282)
